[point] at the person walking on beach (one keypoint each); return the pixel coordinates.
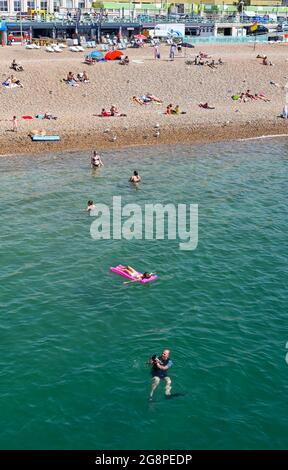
(160, 366)
(14, 124)
(173, 48)
(156, 51)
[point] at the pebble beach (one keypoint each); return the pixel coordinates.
(113, 84)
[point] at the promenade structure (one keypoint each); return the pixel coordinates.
(12, 7)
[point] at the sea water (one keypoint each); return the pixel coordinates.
(75, 339)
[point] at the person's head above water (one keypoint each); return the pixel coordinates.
(90, 203)
(165, 354)
(136, 173)
(146, 275)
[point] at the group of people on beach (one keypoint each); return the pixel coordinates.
(202, 60)
(114, 112)
(81, 77)
(177, 110)
(12, 82)
(248, 96)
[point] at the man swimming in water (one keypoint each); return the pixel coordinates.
(96, 161)
(160, 366)
(135, 178)
(90, 206)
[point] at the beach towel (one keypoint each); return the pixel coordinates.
(27, 117)
(40, 116)
(235, 97)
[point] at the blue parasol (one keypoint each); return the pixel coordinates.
(95, 55)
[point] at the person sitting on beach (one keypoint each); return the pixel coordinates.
(243, 97)
(71, 80)
(85, 78)
(48, 115)
(177, 110)
(135, 178)
(212, 64)
(197, 60)
(284, 113)
(203, 55)
(114, 111)
(125, 61)
(105, 113)
(137, 100)
(205, 106)
(90, 206)
(96, 161)
(169, 109)
(249, 95)
(220, 61)
(133, 273)
(202, 61)
(13, 80)
(16, 67)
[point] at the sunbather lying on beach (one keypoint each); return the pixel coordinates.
(145, 99)
(137, 100)
(261, 96)
(148, 97)
(205, 106)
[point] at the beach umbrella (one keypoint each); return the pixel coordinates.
(140, 36)
(95, 55)
(112, 55)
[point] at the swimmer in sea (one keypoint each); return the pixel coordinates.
(90, 206)
(96, 161)
(135, 178)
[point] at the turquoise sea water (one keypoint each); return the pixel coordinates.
(75, 339)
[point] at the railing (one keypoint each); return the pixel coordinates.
(226, 39)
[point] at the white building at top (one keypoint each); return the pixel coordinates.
(14, 6)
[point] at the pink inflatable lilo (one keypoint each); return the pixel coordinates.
(132, 274)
